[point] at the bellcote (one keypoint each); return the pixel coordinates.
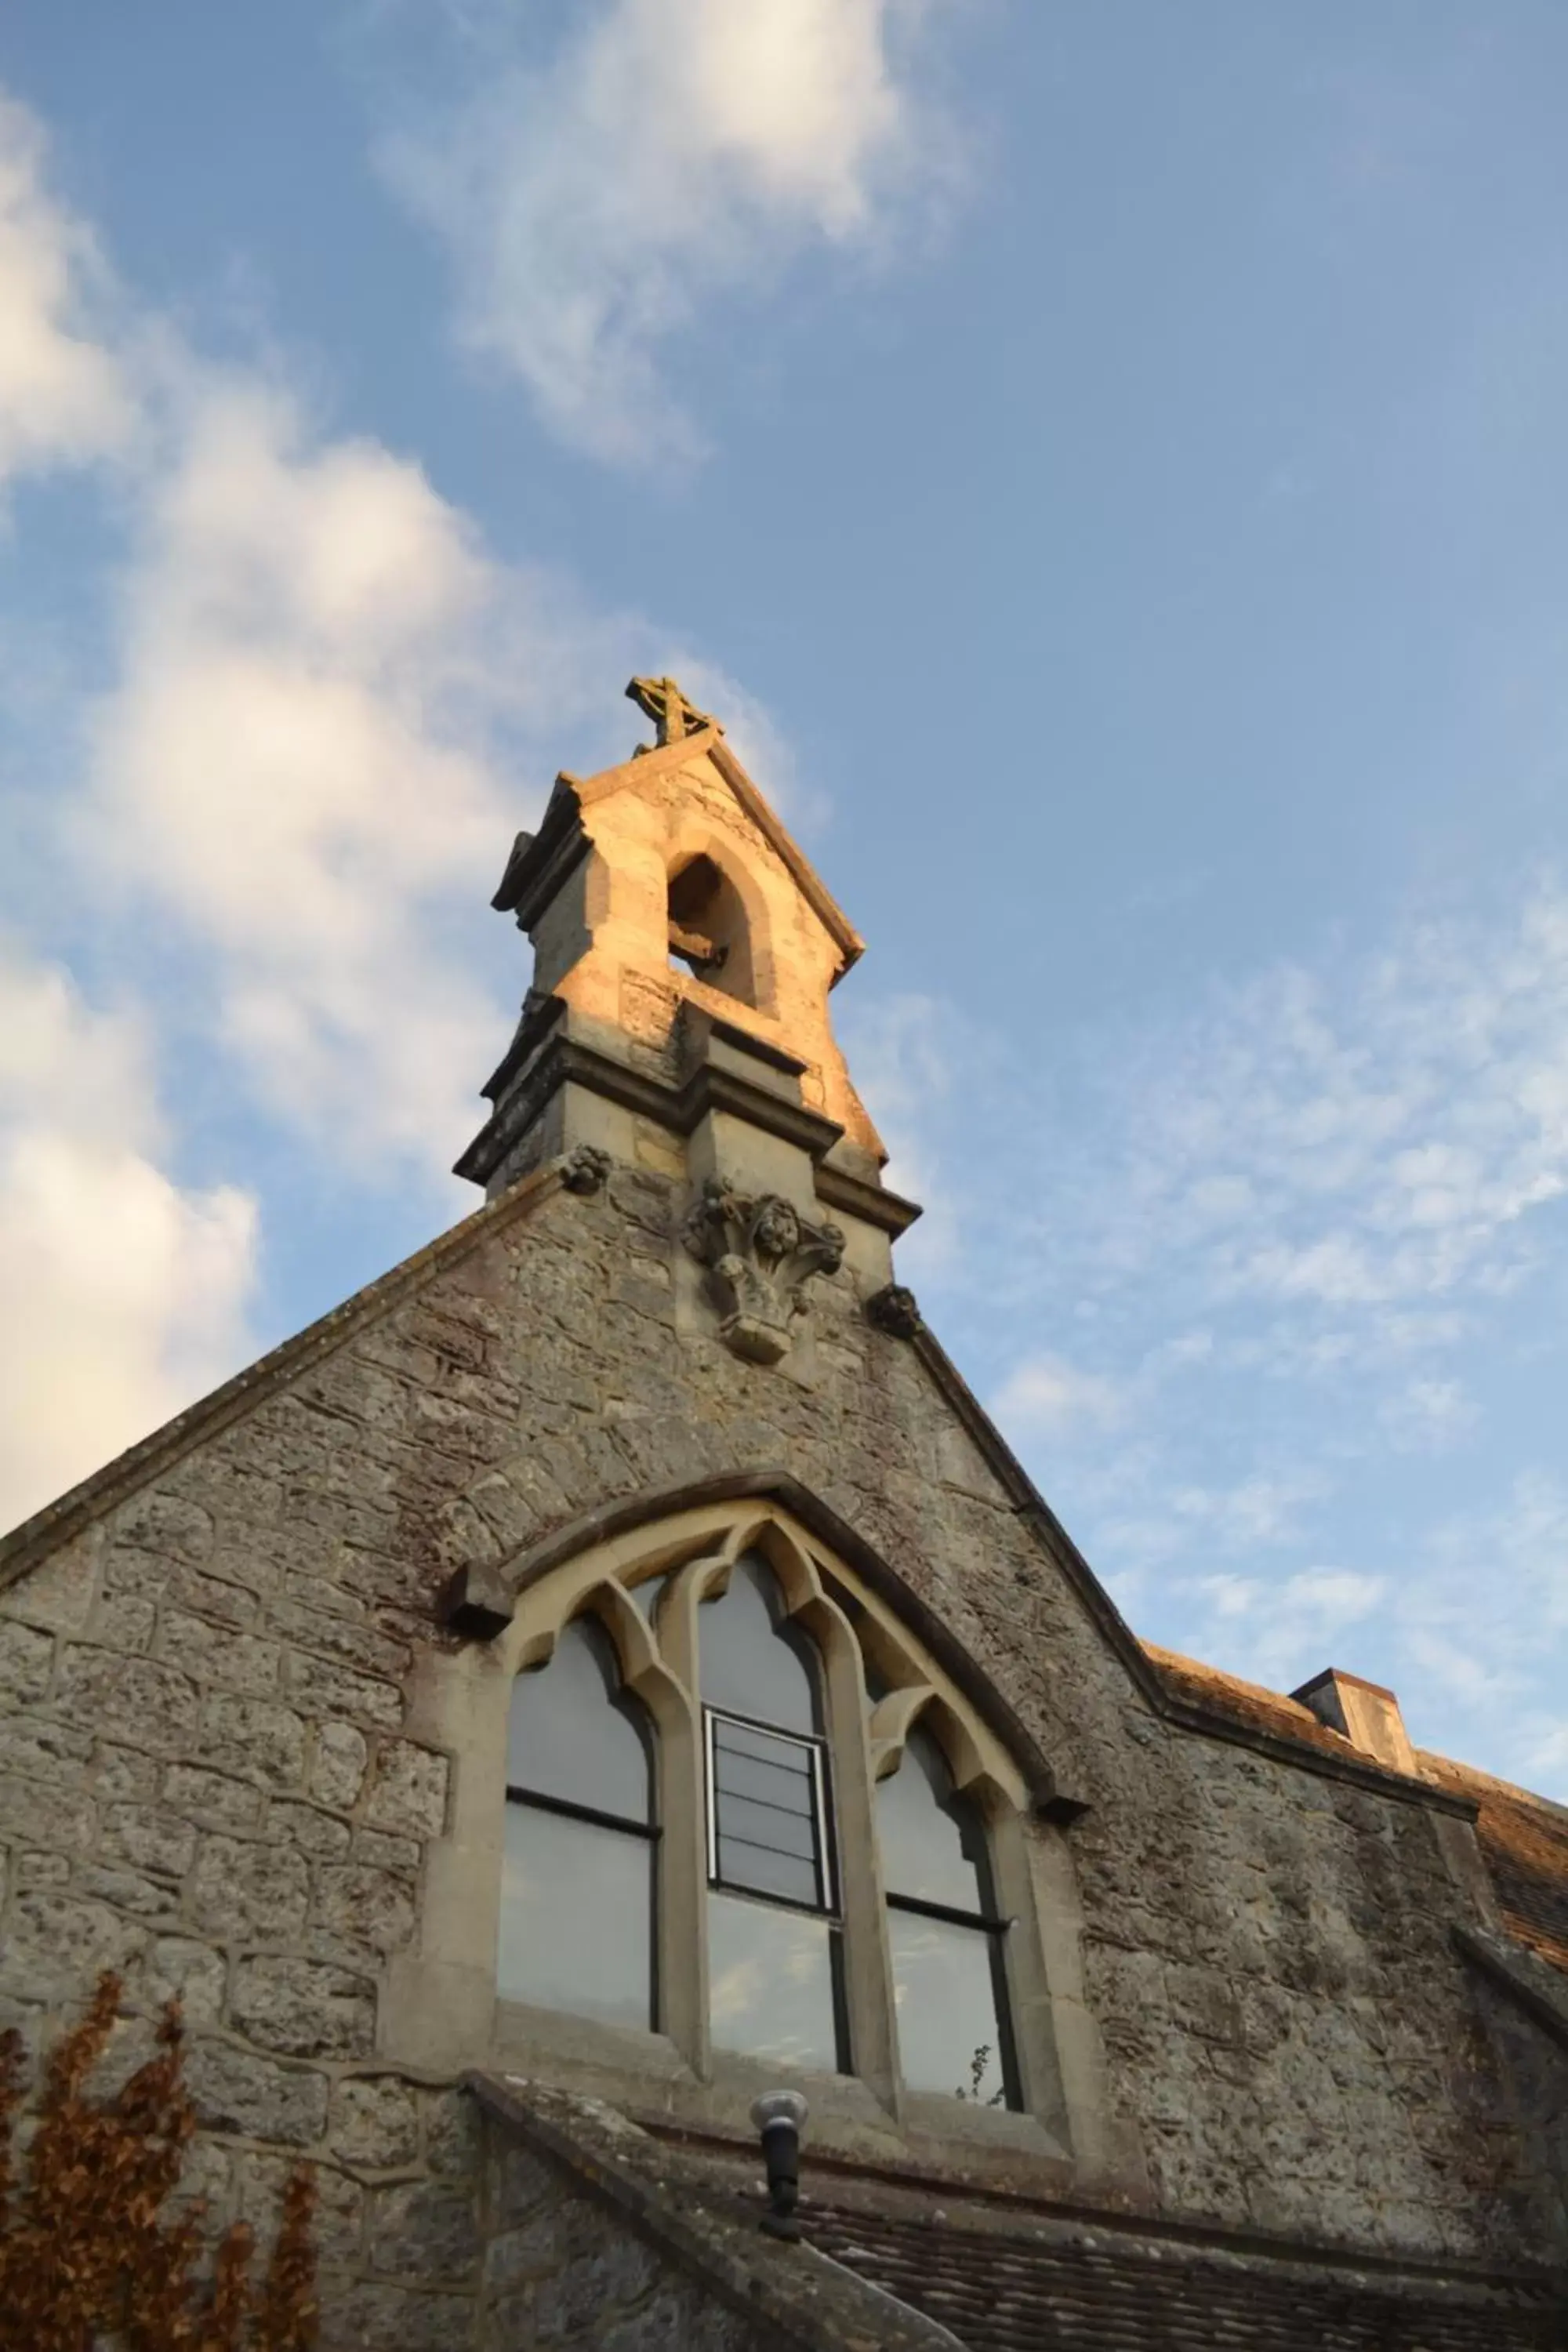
(684, 953)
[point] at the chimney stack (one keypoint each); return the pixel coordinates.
(1366, 1714)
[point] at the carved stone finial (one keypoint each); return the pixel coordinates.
(760, 1253)
(896, 1311)
(660, 699)
(586, 1169)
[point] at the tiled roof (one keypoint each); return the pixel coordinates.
(1033, 2293)
(1525, 1841)
(1523, 1837)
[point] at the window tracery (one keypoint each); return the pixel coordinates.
(835, 1845)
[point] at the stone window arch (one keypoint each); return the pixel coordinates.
(860, 1699)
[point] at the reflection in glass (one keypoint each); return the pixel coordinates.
(933, 1844)
(577, 1885)
(752, 1662)
(576, 1926)
(771, 1992)
(944, 1994)
(943, 1937)
(767, 1819)
(573, 1735)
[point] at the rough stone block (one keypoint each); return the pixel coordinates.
(255, 1738)
(395, 2319)
(365, 1905)
(137, 1700)
(27, 1656)
(125, 1776)
(212, 1800)
(337, 1773)
(235, 2090)
(242, 1890)
(34, 1814)
(58, 1591)
(220, 1654)
(162, 1523)
(593, 2283)
(176, 1967)
(409, 1790)
(338, 2223)
(32, 1748)
(303, 2008)
(425, 2230)
(323, 1689)
(375, 2122)
(321, 1836)
(124, 1621)
(58, 1944)
(149, 1837)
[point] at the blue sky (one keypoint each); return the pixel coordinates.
(1106, 463)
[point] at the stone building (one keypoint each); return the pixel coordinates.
(611, 1668)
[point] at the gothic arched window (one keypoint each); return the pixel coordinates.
(774, 1940)
(578, 1891)
(750, 1825)
(944, 1938)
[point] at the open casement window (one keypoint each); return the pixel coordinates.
(775, 1962)
(749, 1825)
(578, 1883)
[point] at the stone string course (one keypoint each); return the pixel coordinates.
(207, 1779)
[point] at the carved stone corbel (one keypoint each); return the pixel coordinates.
(896, 1311)
(586, 1168)
(760, 1253)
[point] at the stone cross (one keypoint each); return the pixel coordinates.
(660, 699)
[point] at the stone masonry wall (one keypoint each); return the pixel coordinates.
(205, 1779)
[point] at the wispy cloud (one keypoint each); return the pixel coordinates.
(667, 150)
(122, 1293)
(1281, 1244)
(63, 396)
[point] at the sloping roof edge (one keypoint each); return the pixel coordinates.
(76, 1509)
(1152, 1684)
(800, 2299)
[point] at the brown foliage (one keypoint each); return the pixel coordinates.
(83, 2252)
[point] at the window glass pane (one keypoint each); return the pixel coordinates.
(647, 1594)
(765, 1799)
(747, 1664)
(567, 1739)
(946, 2004)
(771, 1982)
(576, 1923)
(933, 1843)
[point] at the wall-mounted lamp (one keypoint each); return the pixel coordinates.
(779, 2116)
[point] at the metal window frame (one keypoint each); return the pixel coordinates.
(826, 1857)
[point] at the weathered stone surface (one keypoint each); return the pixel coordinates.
(375, 2122)
(165, 1524)
(365, 1905)
(136, 1699)
(303, 2008)
(235, 2090)
(244, 1890)
(375, 2318)
(321, 1687)
(149, 1837)
(426, 2231)
(212, 1800)
(177, 1968)
(337, 1773)
(337, 2222)
(256, 1739)
(220, 1653)
(62, 1942)
(409, 1790)
(319, 1835)
(27, 1656)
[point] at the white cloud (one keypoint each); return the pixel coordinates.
(63, 397)
(122, 1294)
(1279, 1632)
(303, 761)
(1044, 1396)
(670, 149)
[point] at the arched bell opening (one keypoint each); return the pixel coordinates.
(710, 932)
